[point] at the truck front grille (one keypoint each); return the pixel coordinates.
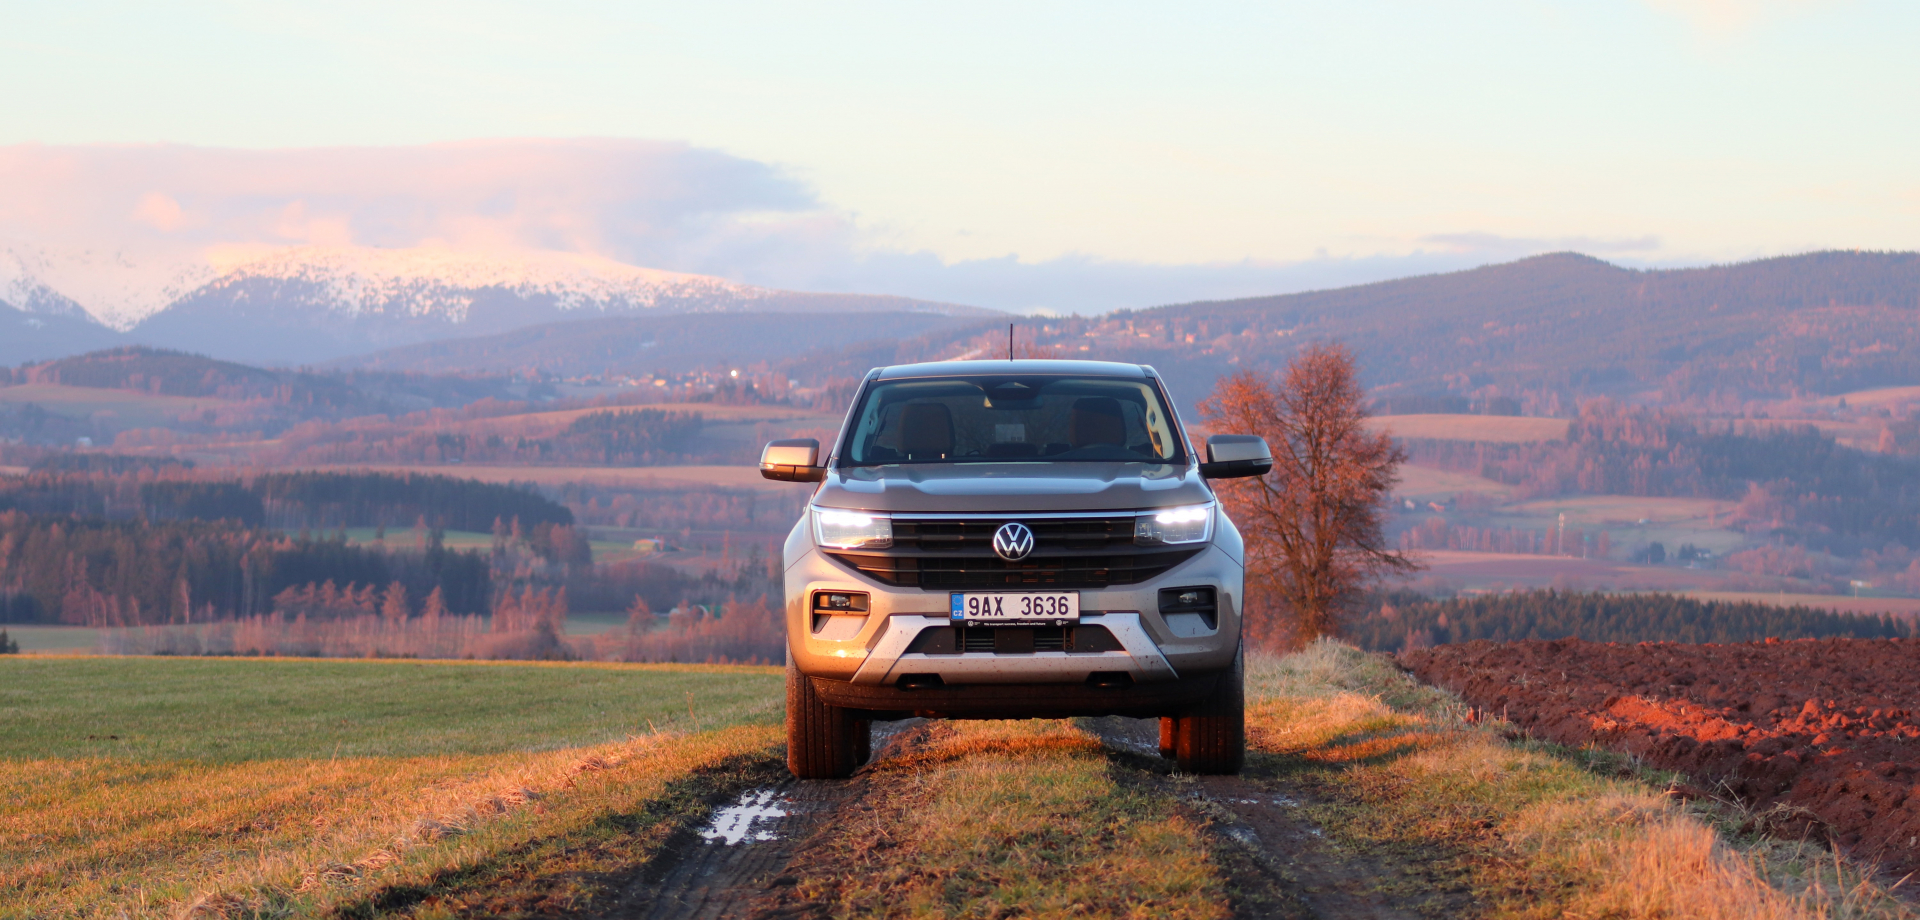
(975, 537)
(1036, 571)
(940, 554)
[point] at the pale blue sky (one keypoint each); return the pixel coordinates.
(1263, 142)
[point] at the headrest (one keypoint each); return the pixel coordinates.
(1096, 420)
(926, 431)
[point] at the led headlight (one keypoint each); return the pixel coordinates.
(839, 529)
(1184, 524)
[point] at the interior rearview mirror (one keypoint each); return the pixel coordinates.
(1232, 456)
(792, 460)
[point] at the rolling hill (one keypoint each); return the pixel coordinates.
(1568, 325)
(648, 344)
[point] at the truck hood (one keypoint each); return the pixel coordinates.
(987, 488)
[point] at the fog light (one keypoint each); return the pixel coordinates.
(1199, 599)
(840, 602)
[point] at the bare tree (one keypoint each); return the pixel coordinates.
(1313, 526)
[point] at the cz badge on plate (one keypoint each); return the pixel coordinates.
(1043, 608)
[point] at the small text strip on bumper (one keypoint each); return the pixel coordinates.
(1140, 658)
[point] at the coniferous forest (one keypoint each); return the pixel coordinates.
(1403, 620)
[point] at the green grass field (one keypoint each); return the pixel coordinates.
(69, 640)
(213, 709)
(297, 788)
(259, 787)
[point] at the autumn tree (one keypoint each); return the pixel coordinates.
(1314, 525)
(393, 604)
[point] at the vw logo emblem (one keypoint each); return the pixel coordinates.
(1013, 541)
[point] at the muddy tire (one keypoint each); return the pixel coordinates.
(1211, 738)
(821, 741)
(1169, 730)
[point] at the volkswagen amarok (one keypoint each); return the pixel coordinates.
(1013, 539)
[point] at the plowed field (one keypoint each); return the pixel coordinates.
(1818, 735)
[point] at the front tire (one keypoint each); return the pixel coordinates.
(1211, 738)
(822, 740)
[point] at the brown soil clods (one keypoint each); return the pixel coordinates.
(1813, 735)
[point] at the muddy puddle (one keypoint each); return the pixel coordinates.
(756, 818)
(740, 853)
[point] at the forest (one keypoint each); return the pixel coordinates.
(1794, 484)
(123, 541)
(290, 501)
(1401, 620)
(94, 572)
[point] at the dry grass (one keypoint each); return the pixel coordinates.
(247, 792)
(1553, 833)
(127, 408)
(1588, 510)
(1504, 429)
(995, 819)
(1426, 483)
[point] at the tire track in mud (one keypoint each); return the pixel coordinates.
(740, 856)
(744, 862)
(1278, 862)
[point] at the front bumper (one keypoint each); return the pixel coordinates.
(1019, 700)
(871, 650)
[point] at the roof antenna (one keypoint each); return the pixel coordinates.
(1009, 341)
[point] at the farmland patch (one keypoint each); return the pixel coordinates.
(1812, 737)
(1504, 429)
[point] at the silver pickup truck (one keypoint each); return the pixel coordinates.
(1013, 539)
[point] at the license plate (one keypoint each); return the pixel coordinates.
(1054, 607)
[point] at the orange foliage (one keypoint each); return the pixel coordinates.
(1313, 526)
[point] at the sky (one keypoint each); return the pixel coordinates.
(1060, 156)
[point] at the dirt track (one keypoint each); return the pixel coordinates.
(1815, 735)
(748, 860)
(1279, 864)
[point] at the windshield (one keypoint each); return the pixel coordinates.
(1012, 418)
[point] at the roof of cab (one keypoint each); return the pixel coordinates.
(1021, 366)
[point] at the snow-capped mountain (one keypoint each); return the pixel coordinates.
(316, 303)
(112, 288)
(23, 285)
(37, 321)
(445, 283)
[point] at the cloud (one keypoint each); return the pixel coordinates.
(638, 199)
(134, 219)
(143, 224)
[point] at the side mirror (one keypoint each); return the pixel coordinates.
(1232, 456)
(792, 460)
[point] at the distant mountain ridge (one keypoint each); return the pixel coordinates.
(38, 322)
(1537, 332)
(316, 304)
(674, 343)
(1542, 332)
(312, 304)
(1823, 322)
